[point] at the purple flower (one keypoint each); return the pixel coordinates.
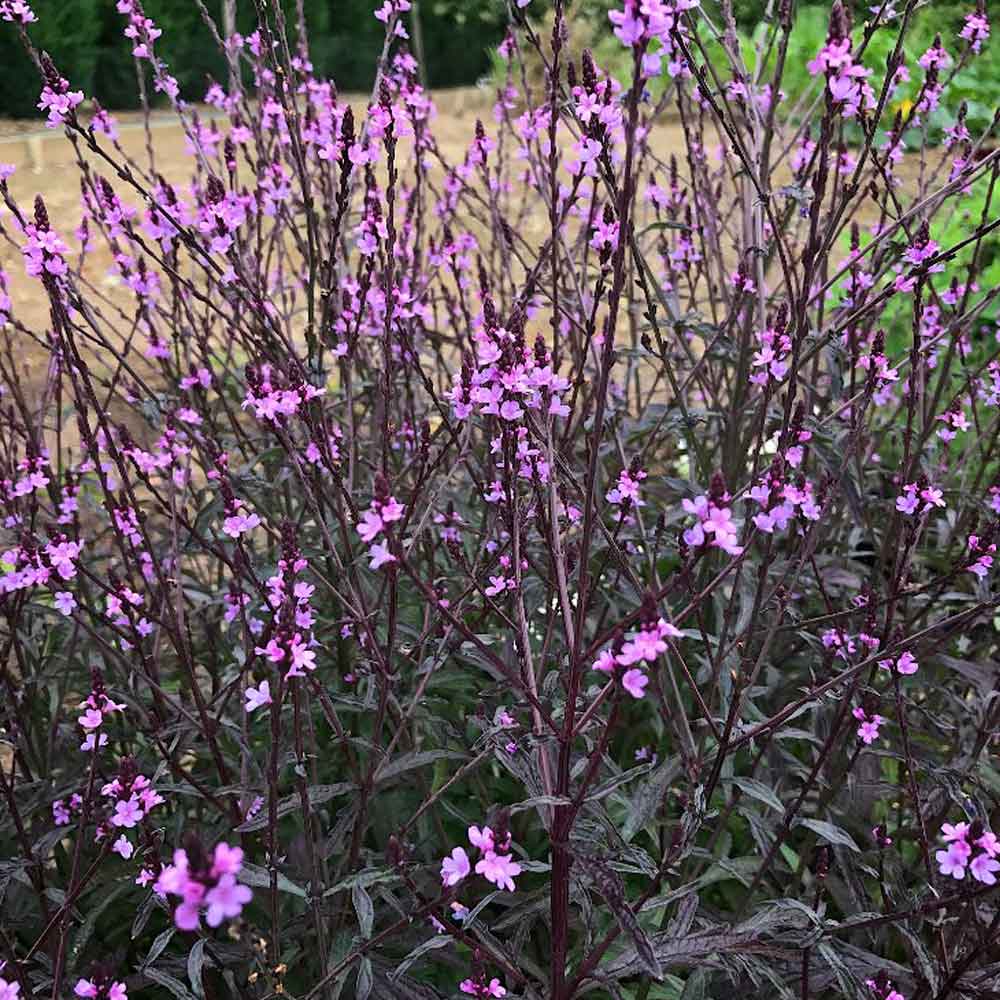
(380, 556)
(65, 602)
(123, 846)
(982, 867)
(127, 814)
(258, 696)
(953, 861)
(455, 868)
(225, 900)
(634, 681)
(498, 869)
(483, 839)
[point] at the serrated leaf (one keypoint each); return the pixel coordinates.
(694, 988)
(607, 786)
(370, 876)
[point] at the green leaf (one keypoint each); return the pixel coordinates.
(431, 944)
(364, 986)
(195, 962)
(162, 940)
(364, 909)
(694, 988)
(175, 986)
(648, 797)
(260, 878)
(317, 795)
(830, 832)
(758, 790)
(410, 761)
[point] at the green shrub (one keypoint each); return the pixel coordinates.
(84, 37)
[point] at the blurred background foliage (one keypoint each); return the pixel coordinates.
(459, 38)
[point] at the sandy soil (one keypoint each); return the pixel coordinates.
(46, 164)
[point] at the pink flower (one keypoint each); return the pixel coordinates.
(975, 31)
(380, 556)
(369, 526)
(303, 658)
(226, 900)
(868, 730)
(226, 860)
(989, 843)
(65, 602)
(240, 523)
(906, 663)
(85, 988)
(498, 869)
(482, 988)
(953, 861)
(455, 868)
(258, 696)
(216, 889)
(483, 839)
(982, 868)
(127, 814)
(123, 846)
(634, 681)
(91, 719)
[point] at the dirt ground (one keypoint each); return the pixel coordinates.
(45, 164)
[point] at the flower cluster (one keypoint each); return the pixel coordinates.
(919, 498)
(629, 657)
(100, 986)
(495, 865)
(882, 989)
(640, 24)
(714, 524)
(846, 80)
(970, 849)
(982, 550)
(384, 510)
(905, 664)
(21, 12)
(131, 797)
(509, 377)
(869, 724)
(59, 102)
(976, 29)
(206, 885)
(97, 707)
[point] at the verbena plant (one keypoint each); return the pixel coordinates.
(562, 569)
